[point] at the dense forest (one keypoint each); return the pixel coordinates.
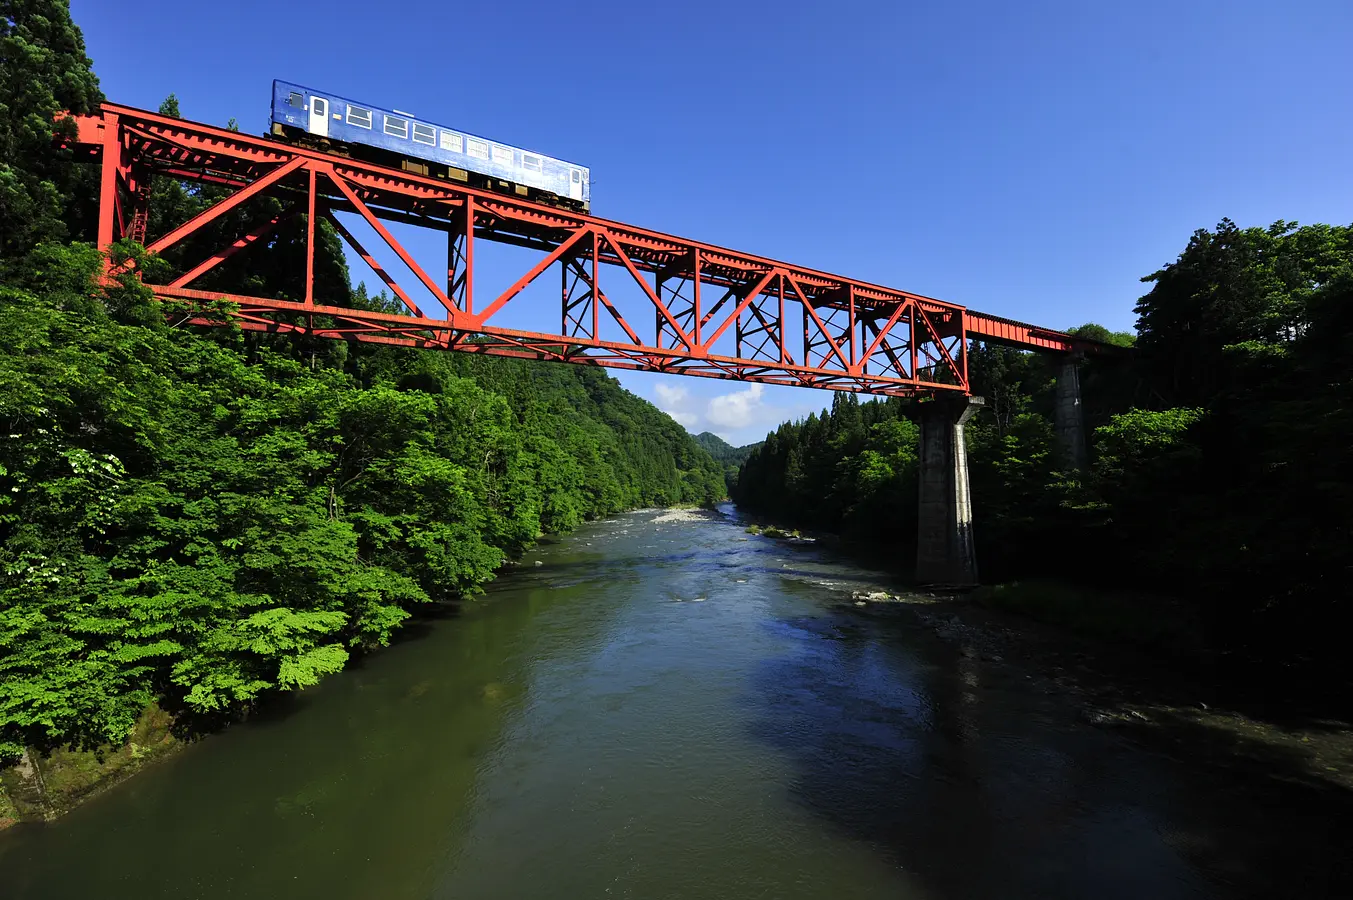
(200, 517)
(1221, 448)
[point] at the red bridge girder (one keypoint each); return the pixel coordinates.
(848, 335)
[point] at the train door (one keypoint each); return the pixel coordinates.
(319, 116)
(575, 184)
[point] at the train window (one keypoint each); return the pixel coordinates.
(396, 127)
(359, 117)
(296, 100)
(502, 155)
(530, 161)
(575, 176)
(424, 134)
(451, 141)
(478, 149)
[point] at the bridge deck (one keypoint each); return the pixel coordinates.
(710, 311)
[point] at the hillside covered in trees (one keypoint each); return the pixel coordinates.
(1222, 449)
(200, 517)
(725, 454)
(721, 450)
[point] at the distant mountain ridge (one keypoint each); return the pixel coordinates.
(722, 451)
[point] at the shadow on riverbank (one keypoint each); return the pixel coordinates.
(1210, 709)
(1132, 651)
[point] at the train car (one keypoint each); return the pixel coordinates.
(398, 139)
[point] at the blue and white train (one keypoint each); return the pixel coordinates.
(391, 137)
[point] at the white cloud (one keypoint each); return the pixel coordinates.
(739, 416)
(670, 396)
(685, 419)
(675, 401)
(740, 409)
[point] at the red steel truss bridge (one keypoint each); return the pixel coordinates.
(694, 308)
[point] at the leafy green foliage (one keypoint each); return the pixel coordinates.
(1221, 448)
(850, 469)
(43, 71)
(1139, 439)
(724, 453)
(1093, 332)
(721, 450)
(206, 517)
(1233, 288)
(203, 518)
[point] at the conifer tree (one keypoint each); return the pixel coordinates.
(44, 70)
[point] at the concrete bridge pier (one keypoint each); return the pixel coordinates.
(1069, 415)
(945, 554)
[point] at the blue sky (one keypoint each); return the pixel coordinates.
(1031, 160)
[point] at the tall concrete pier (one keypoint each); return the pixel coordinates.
(945, 554)
(1069, 416)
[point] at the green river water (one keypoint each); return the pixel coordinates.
(662, 709)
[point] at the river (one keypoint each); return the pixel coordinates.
(661, 709)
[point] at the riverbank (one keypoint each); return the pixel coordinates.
(45, 786)
(1050, 635)
(1132, 692)
(1134, 664)
(592, 723)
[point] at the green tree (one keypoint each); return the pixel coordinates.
(1221, 448)
(1092, 331)
(43, 71)
(1232, 288)
(204, 518)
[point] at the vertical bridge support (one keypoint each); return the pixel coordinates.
(945, 554)
(1069, 415)
(856, 336)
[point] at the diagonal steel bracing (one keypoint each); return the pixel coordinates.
(711, 312)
